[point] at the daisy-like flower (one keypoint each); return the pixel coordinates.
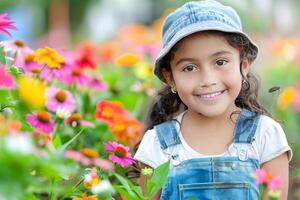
(41, 120)
(286, 97)
(56, 97)
(77, 75)
(49, 57)
(98, 85)
(272, 182)
(76, 119)
(126, 130)
(85, 197)
(7, 81)
(107, 110)
(89, 157)
(127, 60)
(103, 187)
(85, 59)
(6, 23)
(62, 112)
(91, 179)
(119, 154)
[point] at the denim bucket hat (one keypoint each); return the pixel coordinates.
(196, 16)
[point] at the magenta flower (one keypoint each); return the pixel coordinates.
(98, 85)
(6, 23)
(272, 182)
(41, 120)
(275, 183)
(119, 154)
(7, 81)
(260, 176)
(56, 97)
(77, 76)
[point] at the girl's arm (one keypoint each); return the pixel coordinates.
(279, 166)
(142, 182)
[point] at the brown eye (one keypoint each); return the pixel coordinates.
(190, 68)
(221, 62)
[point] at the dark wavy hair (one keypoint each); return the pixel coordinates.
(166, 104)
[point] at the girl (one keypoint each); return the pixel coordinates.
(207, 120)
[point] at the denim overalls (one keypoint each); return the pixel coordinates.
(215, 178)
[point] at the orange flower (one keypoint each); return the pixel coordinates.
(106, 110)
(127, 60)
(90, 153)
(108, 51)
(49, 57)
(286, 97)
(84, 197)
(126, 130)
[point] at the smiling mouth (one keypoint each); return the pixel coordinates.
(211, 95)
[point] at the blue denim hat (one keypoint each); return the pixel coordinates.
(195, 17)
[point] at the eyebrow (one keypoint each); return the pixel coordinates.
(212, 55)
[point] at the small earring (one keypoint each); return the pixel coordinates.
(173, 90)
(244, 81)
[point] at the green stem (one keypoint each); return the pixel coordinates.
(38, 74)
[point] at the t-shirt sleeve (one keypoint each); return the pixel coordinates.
(272, 140)
(149, 151)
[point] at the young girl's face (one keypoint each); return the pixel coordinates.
(206, 74)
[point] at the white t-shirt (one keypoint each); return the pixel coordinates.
(270, 142)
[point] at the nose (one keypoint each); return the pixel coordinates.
(208, 77)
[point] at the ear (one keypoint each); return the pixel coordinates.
(168, 76)
(245, 68)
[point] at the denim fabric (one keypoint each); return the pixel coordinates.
(228, 177)
(195, 17)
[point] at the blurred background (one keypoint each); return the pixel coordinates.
(273, 24)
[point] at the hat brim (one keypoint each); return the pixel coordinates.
(193, 28)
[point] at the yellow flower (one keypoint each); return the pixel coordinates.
(143, 71)
(48, 56)
(286, 97)
(32, 91)
(127, 60)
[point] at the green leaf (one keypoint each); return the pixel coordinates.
(2, 56)
(127, 185)
(57, 141)
(159, 178)
(122, 191)
(62, 148)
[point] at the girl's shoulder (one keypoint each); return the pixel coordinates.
(149, 151)
(270, 139)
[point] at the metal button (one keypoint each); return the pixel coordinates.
(243, 155)
(233, 166)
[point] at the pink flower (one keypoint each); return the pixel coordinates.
(275, 183)
(7, 81)
(260, 176)
(98, 85)
(272, 182)
(41, 120)
(85, 158)
(76, 75)
(119, 154)
(58, 97)
(6, 23)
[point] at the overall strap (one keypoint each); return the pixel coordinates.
(246, 127)
(167, 134)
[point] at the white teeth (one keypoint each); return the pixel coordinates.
(210, 95)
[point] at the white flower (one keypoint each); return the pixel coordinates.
(62, 112)
(103, 186)
(19, 142)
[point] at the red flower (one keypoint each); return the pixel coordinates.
(107, 111)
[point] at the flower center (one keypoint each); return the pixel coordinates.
(43, 116)
(34, 70)
(120, 152)
(19, 43)
(76, 72)
(29, 58)
(75, 117)
(61, 96)
(89, 153)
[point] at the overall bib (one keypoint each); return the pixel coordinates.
(219, 177)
